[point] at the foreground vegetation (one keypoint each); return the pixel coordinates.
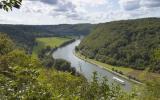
(133, 43)
(22, 77)
(25, 78)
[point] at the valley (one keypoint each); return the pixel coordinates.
(79, 50)
(111, 58)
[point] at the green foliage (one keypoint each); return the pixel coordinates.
(101, 90)
(9, 4)
(24, 78)
(62, 85)
(59, 64)
(125, 43)
(44, 49)
(25, 35)
(68, 87)
(18, 75)
(151, 90)
(63, 65)
(156, 54)
(7, 47)
(44, 44)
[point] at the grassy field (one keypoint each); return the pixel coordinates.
(140, 75)
(50, 41)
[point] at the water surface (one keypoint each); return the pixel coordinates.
(84, 67)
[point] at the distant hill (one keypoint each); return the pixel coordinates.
(63, 29)
(134, 43)
(25, 34)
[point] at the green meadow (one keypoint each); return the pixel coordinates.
(49, 41)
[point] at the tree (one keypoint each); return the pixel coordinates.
(18, 74)
(9, 4)
(6, 45)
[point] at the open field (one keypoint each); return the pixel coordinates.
(138, 74)
(49, 41)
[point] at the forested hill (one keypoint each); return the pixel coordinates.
(62, 29)
(133, 43)
(25, 34)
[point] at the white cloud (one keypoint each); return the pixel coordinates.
(80, 11)
(88, 2)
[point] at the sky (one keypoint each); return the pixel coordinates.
(51, 12)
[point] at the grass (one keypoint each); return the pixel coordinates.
(50, 41)
(123, 69)
(140, 75)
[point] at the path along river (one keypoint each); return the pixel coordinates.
(84, 67)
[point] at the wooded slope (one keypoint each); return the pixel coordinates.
(134, 43)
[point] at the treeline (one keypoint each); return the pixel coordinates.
(62, 45)
(66, 43)
(133, 43)
(25, 35)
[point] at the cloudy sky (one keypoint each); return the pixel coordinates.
(79, 11)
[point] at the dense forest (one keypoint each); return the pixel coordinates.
(133, 43)
(25, 35)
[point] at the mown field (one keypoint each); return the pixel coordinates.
(49, 41)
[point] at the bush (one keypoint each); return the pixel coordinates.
(120, 72)
(63, 65)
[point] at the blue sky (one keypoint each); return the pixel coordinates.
(79, 11)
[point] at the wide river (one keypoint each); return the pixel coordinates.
(84, 67)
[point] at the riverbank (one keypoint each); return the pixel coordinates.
(99, 64)
(62, 45)
(52, 42)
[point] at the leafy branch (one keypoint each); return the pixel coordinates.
(10, 4)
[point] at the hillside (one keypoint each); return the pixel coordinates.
(39, 30)
(25, 35)
(133, 43)
(25, 78)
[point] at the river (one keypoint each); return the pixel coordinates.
(84, 67)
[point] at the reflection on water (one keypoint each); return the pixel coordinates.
(83, 67)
